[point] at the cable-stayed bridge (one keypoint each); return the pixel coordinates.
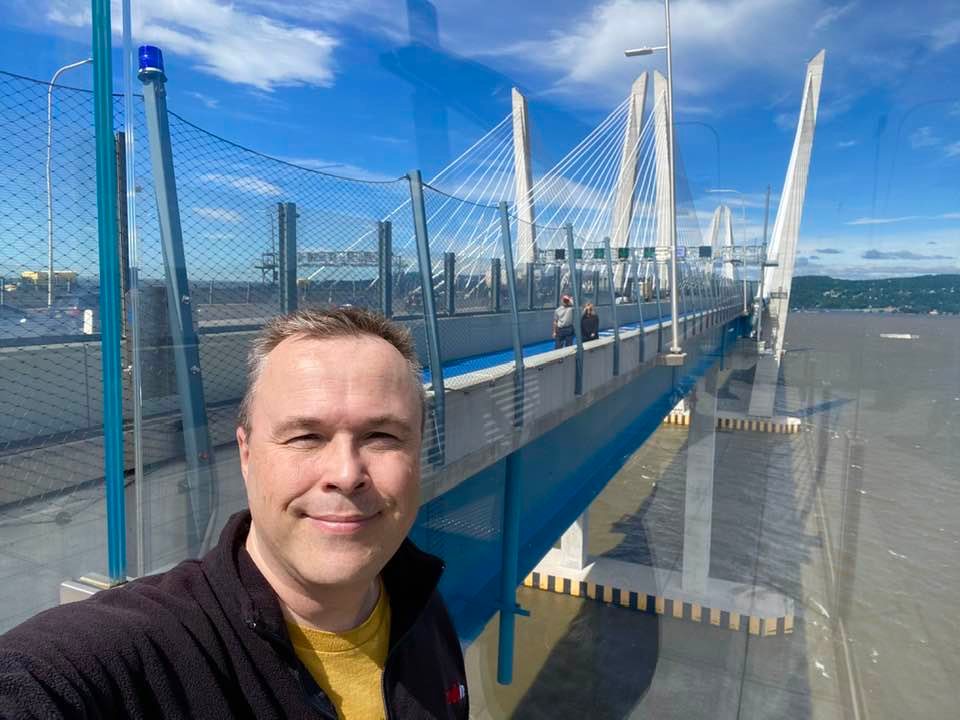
(521, 435)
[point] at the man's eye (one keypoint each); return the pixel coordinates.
(383, 437)
(309, 439)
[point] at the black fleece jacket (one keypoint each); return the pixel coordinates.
(208, 640)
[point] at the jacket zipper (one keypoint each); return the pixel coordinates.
(276, 640)
(390, 654)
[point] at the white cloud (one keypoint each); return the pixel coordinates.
(205, 100)
(244, 183)
(953, 149)
(886, 241)
(711, 46)
(945, 35)
(785, 121)
(842, 144)
(923, 137)
(220, 214)
(227, 40)
(355, 172)
(832, 14)
(903, 218)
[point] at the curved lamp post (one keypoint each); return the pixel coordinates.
(53, 80)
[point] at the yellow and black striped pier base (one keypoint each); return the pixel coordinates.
(659, 605)
(727, 422)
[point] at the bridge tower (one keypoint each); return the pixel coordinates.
(729, 269)
(623, 200)
(782, 250)
(662, 175)
(523, 172)
(777, 276)
(721, 240)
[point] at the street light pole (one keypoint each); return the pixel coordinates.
(53, 80)
(674, 314)
(676, 355)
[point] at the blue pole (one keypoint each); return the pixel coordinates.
(518, 390)
(385, 241)
(509, 576)
(575, 285)
(723, 345)
(656, 292)
(110, 336)
(288, 257)
(682, 299)
(429, 310)
(643, 331)
(198, 452)
(613, 307)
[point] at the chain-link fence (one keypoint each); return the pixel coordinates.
(260, 236)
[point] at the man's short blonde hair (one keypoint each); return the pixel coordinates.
(325, 325)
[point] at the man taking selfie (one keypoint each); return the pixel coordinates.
(314, 604)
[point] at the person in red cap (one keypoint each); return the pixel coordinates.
(563, 323)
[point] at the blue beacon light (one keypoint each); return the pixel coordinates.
(151, 59)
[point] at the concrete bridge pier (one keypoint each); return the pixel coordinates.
(698, 504)
(574, 547)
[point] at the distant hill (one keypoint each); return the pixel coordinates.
(921, 294)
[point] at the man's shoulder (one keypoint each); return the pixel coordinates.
(117, 617)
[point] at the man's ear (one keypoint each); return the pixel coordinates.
(244, 451)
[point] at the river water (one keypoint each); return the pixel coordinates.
(856, 519)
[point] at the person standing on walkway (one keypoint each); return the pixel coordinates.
(314, 603)
(563, 331)
(589, 323)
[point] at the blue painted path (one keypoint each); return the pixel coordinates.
(461, 366)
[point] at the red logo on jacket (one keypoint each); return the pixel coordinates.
(456, 693)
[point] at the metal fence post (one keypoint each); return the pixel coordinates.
(531, 285)
(557, 280)
(200, 481)
(699, 287)
(682, 299)
(385, 244)
(518, 389)
(110, 328)
(288, 256)
(509, 576)
(574, 274)
(429, 311)
(613, 307)
(596, 287)
(449, 281)
(495, 285)
(123, 243)
(643, 331)
(656, 294)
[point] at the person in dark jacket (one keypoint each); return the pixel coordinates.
(590, 323)
(313, 604)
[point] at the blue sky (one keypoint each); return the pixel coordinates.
(377, 87)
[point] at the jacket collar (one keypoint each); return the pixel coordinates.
(411, 577)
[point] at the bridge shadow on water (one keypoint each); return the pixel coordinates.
(577, 657)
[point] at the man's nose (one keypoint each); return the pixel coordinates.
(344, 470)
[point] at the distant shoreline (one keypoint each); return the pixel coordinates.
(921, 295)
(874, 311)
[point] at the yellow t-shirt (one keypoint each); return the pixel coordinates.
(349, 665)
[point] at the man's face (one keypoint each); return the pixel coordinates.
(332, 460)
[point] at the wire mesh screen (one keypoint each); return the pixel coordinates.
(470, 283)
(50, 377)
(232, 209)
